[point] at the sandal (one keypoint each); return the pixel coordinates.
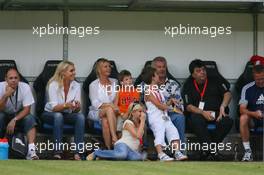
(57, 157)
(77, 157)
(114, 140)
(91, 156)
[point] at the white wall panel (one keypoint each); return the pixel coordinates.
(130, 38)
(29, 51)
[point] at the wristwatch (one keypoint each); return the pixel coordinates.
(15, 119)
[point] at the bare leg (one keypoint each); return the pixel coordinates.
(106, 133)
(110, 115)
(159, 149)
(175, 145)
(31, 135)
(244, 127)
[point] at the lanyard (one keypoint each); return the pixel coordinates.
(198, 90)
(14, 105)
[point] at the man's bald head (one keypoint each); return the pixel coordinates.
(12, 78)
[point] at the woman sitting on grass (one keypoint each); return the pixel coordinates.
(127, 147)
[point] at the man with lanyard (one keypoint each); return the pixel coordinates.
(206, 101)
(171, 89)
(15, 101)
(252, 108)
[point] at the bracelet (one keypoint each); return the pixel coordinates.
(64, 106)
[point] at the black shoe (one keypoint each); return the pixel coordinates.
(218, 157)
(204, 155)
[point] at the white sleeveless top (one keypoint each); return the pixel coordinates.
(128, 139)
(152, 110)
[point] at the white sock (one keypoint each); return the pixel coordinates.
(161, 154)
(31, 147)
(177, 151)
(246, 146)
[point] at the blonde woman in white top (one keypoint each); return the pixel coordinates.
(127, 147)
(102, 94)
(63, 106)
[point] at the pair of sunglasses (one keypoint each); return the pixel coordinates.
(134, 104)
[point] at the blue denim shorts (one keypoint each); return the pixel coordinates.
(24, 125)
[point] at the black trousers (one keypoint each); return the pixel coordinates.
(198, 124)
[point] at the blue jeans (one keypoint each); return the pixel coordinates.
(57, 119)
(120, 152)
(179, 122)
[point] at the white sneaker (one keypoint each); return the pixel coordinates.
(165, 158)
(247, 156)
(31, 155)
(179, 156)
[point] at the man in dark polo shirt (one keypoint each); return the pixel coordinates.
(251, 108)
(206, 101)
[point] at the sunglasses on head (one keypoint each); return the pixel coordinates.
(134, 104)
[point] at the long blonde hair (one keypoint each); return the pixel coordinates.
(58, 75)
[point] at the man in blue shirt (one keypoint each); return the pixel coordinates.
(251, 108)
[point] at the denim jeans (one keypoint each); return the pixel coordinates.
(120, 152)
(25, 124)
(179, 122)
(57, 119)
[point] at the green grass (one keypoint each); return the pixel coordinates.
(23, 167)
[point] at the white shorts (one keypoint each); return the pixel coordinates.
(162, 128)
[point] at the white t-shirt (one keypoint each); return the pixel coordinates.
(55, 95)
(24, 97)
